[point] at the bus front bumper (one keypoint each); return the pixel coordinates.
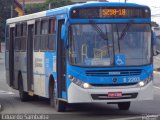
(77, 94)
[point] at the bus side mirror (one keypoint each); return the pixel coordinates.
(64, 35)
(63, 32)
(154, 40)
(157, 52)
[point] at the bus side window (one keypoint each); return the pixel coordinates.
(44, 35)
(23, 36)
(37, 36)
(52, 34)
(17, 37)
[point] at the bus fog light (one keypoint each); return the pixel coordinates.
(141, 84)
(70, 77)
(86, 85)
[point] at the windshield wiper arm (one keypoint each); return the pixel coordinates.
(118, 38)
(99, 30)
(123, 34)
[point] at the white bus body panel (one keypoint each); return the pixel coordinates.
(38, 73)
(80, 95)
(23, 66)
(27, 17)
(39, 76)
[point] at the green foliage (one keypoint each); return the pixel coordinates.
(58, 3)
(32, 8)
(5, 8)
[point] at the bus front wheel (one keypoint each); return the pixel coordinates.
(124, 105)
(59, 105)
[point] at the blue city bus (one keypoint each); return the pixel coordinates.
(83, 53)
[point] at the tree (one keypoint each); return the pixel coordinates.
(58, 3)
(32, 8)
(5, 8)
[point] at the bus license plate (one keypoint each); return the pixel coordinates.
(115, 94)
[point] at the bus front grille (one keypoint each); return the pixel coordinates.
(105, 73)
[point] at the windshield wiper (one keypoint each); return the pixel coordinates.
(118, 37)
(101, 33)
(99, 30)
(123, 34)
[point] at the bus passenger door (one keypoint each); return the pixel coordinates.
(30, 33)
(61, 62)
(11, 57)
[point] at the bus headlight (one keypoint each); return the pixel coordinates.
(79, 83)
(141, 84)
(86, 85)
(146, 81)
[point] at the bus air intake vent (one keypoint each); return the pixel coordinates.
(104, 73)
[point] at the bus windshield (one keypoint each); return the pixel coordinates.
(98, 44)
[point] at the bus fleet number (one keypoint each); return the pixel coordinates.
(133, 79)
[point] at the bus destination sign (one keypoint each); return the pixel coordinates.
(110, 12)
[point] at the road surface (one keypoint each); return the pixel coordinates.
(11, 104)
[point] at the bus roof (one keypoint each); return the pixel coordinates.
(66, 9)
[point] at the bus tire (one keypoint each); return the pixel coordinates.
(124, 105)
(51, 95)
(22, 94)
(59, 105)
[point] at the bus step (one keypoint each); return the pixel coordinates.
(30, 93)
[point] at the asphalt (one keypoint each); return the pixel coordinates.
(11, 104)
